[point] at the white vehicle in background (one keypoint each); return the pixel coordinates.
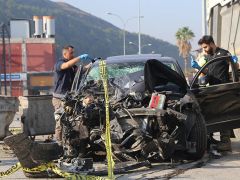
(222, 21)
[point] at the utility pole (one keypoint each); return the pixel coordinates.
(4, 58)
(9, 61)
(123, 30)
(1, 25)
(139, 29)
(204, 17)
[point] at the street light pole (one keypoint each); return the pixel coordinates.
(123, 30)
(149, 44)
(204, 14)
(139, 29)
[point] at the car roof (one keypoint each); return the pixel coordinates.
(138, 58)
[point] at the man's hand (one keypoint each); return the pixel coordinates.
(84, 57)
(194, 64)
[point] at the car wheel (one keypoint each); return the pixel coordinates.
(198, 135)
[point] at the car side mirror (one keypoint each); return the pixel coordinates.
(203, 81)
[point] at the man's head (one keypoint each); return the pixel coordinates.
(207, 44)
(68, 52)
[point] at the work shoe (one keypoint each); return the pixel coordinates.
(224, 145)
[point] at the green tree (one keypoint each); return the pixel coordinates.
(184, 36)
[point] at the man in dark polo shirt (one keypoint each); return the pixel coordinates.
(64, 72)
(218, 73)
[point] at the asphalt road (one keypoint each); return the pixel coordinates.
(226, 167)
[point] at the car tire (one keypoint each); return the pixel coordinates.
(198, 134)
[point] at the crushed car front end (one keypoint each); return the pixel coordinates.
(153, 115)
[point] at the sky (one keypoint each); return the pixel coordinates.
(161, 18)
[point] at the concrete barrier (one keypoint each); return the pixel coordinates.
(37, 115)
(8, 108)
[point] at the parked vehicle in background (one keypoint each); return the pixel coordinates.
(223, 23)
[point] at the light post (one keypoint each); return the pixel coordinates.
(149, 44)
(139, 28)
(124, 28)
(132, 43)
(204, 14)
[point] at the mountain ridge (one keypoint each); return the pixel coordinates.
(86, 32)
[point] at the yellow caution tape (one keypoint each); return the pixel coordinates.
(15, 130)
(40, 168)
(57, 170)
(11, 170)
(104, 77)
(50, 166)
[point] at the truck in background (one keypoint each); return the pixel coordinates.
(222, 19)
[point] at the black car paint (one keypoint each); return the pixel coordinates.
(220, 104)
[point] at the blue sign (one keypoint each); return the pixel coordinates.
(14, 77)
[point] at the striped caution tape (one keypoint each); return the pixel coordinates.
(50, 166)
(11, 170)
(41, 168)
(104, 77)
(57, 170)
(15, 130)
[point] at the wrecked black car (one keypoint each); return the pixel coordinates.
(154, 117)
(153, 114)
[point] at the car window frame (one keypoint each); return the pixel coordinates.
(233, 74)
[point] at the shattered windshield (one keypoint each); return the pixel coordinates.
(120, 70)
(124, 77)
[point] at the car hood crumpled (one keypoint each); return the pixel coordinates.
(157, 74)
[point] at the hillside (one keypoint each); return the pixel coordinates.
(87, 33)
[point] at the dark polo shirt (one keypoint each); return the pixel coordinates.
(218, 72)
(63, 79)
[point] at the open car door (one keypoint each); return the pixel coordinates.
(220, 104)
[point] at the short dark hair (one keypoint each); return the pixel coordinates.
(207, 39)
(67, 47)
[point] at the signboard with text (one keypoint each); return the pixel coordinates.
(14, 77)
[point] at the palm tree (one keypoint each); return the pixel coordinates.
(184, 36)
